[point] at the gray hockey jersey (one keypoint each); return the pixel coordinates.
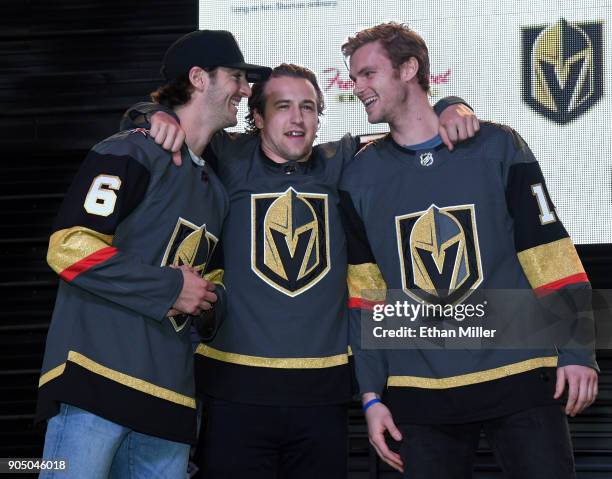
(453, 223)
(284, 340)
(128, 217)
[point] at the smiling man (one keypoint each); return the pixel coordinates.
(289, 131)
(434, 226)
(276, 379)
(133, 245)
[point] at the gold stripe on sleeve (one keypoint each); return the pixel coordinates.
(550, 262)
(68, 246)
(365, 281)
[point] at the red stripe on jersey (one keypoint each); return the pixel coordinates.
(88, 262)
(360, 303)
(560, 283)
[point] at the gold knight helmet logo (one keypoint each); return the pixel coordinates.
(439, 254)
(562, 68)
(290, 244)
(189, 245)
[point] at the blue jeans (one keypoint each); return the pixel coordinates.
(97, 448)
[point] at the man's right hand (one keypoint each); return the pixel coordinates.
(379, 420)
(168, 133)
(196, 296)
(457, 123)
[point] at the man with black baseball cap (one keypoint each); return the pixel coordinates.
(209, 49)
(134, 245)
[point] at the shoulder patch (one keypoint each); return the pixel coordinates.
(142, 131)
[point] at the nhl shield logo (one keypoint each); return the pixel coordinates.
(290, 239)
(562, 68)
(427, 159)
(190, 245)
(439, 254)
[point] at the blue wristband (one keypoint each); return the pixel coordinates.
(370, 403)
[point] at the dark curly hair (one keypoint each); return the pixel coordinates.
(257, 100)
(178, 91)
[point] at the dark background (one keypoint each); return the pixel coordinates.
(68, 70)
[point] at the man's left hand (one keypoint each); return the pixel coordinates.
(457, 123)
(582, 387)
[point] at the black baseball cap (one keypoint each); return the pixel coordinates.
(208, 49)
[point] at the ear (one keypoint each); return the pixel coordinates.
(259, 121)
(198, 78)
(409, 69)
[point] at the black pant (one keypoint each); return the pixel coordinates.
(273, 442)
(534, 443)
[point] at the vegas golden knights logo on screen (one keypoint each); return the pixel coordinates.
(189, 245)
(563, 68)
(439, 253)
(290, 239)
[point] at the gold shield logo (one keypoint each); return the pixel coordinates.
(439, 253)
(189, 245)
(563, 68)
(290, 239)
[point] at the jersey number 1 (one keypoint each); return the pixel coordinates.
(546, 214)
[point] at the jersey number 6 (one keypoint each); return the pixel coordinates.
(101, 198)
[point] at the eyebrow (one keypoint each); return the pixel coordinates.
(360, 72)
(282, 100)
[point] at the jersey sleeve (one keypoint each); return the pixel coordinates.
(366, 287)
(139, 115)
(545, 251)
(443, 103)
(109, 185)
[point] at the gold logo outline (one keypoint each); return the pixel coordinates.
(255, 268)
(529, 75)
(212, 244)
(398, 235)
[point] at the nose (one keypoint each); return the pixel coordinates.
(245, 88)
(357, 86)
(297, 114)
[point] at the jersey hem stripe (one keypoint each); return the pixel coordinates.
(279, 363)
(472, 378)
(118, 377)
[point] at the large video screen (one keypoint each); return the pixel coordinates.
(538, 66)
